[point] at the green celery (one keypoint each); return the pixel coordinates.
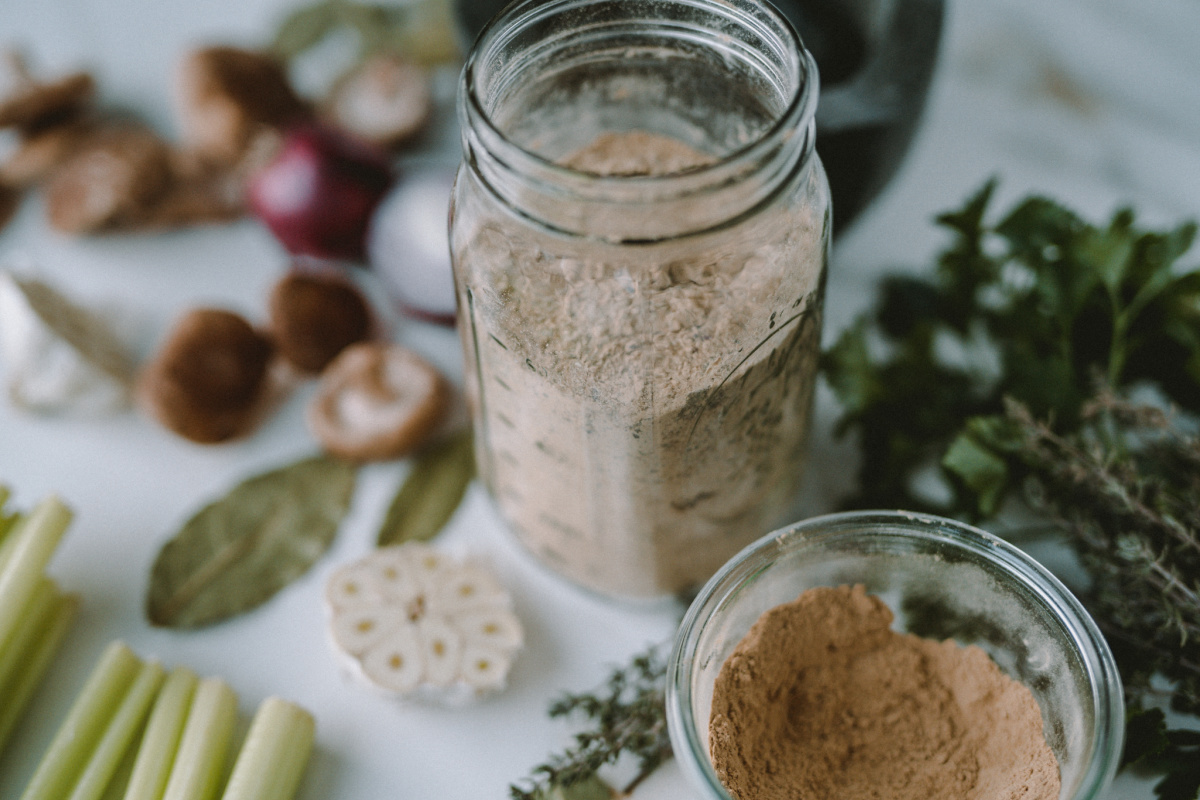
(274, 755)
(34, 663)
(119, 735)
(34, 618)
(161, 740)
(34, 542)
(204, 745)
(84, 725)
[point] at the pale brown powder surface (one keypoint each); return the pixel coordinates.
(822, 700)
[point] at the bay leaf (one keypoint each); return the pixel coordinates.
(431, 493)
(237, 552)
(589, 788)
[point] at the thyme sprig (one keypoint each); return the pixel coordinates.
(628, 718)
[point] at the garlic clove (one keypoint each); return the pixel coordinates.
(469, 588)
(485, 668)
(443, 646)
(354, 586)
(491, 628)
(396, 663)
(358, 628)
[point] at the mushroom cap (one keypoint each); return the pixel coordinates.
(225, 97)
(315, 316)
(109, 180)
(377, 401)
(207, 380)
(387, 100)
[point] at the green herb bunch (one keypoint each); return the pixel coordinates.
(1033, 307)
(628, 716)
(1012, 368)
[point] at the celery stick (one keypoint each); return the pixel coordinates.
(204, 746)
(80, 732)
(34, 664)
(28, 633)
(274, 755)
(161, 740)
(120, 732)
(35, 540)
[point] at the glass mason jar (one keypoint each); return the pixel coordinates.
(640, 231)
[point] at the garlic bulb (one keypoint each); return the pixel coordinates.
(60, 357)
(414, 622)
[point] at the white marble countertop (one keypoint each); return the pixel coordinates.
(1094, 102)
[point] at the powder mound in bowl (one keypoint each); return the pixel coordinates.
(821, 699)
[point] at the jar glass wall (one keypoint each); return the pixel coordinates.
(640, 232)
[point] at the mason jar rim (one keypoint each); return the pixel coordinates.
(799, 112)
(1087, 640)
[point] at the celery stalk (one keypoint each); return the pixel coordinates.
(274, 755)
(161, 740)
(34, 618)
(33, 665)
(86, 722)
(119, 735)
(204, 746)
(34, 542)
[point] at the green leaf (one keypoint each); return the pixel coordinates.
(1145, 735)
(304, 28)
(236, 553)
(590, 788)
(980, 469)
(431, 493)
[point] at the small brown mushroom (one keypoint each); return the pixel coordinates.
(208, 381)
(377, 401)
(226, 97)
(315, 316)
(110, 181)
(28, 103)
(387, 101)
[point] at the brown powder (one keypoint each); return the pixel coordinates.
(821, 699)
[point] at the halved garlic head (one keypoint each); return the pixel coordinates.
(412, 621)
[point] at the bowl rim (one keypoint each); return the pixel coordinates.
(1087, 640)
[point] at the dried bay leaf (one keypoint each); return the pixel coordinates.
(432, 491)
(237, 552)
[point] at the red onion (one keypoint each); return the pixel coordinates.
(318, 193)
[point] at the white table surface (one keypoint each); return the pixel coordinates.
(1095, 102)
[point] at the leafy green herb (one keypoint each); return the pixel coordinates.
(629, 718)
(1035, 307)
(236, 553)
(987, 373)
(431, 493)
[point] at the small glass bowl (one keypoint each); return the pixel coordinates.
(943, 579)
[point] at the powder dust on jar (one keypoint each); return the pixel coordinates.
(821, 700)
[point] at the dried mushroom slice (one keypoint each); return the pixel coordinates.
(314, 316)
(209, 380)
(226, 98)
(394, 616)
(40, 152)
(387, 100)
(109, 182)
(28, 103)
(377, 401)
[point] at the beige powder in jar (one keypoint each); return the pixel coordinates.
(643, 408)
